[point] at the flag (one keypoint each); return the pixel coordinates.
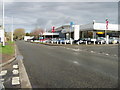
(71, 23)
(106, 23)
(53, 29)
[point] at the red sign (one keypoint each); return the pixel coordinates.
(53, 29)
(106, 24)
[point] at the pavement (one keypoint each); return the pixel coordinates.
(69, 67)
(10, 76)
(13, 74)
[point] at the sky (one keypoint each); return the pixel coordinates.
(30, 15)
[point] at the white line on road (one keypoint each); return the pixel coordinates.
(15, 72)
(4, 72)
(92, 51)
(75, 62)
(15, 66)
(2, 80)
(107, 54)
(75, 49)
(15, 81)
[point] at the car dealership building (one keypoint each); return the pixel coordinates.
(91, 30)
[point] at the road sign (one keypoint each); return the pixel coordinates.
(106, 24)
(53, 29)
(71, 23)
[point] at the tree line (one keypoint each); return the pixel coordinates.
(19, 33)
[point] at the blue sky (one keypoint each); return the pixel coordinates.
(30, 15)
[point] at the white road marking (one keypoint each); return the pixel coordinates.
(2, 80)
(15, 72)
(75, 62)
(80, 50)
(107, 54)
(67, 48)
(75, 49)
(4, 72)
(15, 66)
(15, 81)
(92, 51)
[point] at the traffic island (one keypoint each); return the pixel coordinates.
(7, 53)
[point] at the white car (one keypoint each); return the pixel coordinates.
(36, 41)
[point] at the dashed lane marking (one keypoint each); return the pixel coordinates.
(75, 49)
(15, 72)
(15, 66)
(15, 81)
(107, 54)
(4, 72)
(75, 62)
(2, 80)
(92, 51)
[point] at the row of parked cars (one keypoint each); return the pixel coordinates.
(57, 40)
(112, 40)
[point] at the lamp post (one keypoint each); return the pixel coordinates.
(12, 31)
(3, 25)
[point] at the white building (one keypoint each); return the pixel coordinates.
(28, 37)
(91, 30)
(1, 34)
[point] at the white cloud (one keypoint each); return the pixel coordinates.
(61, 0)
(53, 13)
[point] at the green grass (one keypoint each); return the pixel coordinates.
(8, 48)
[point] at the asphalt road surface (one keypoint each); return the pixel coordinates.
(58, 67)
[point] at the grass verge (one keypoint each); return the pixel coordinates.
(8, 48)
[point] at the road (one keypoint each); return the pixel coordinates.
(58, 67)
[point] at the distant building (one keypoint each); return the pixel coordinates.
(91, 30)
(1, 34)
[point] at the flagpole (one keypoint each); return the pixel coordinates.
(106, 31)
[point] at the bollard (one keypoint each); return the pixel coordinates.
(94, 42)
(86, 42)
(52, 42)
(101, 42)
(78, 43)
(71, 42)
(98, 43)
(60, 42)
(65, 42)
(57, 42)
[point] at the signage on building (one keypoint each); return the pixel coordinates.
(53, 29)
(100, 32)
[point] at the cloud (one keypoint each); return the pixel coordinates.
(47, 14)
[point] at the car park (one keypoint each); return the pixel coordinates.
(113, 40)
(83, 41)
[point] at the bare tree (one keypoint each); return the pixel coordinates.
(19, 33)
(36, 32)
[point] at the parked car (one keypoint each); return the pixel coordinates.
(101, 39)
(54, 40)
(61, 40)
(83, 41)
(68, 41)
(113, 40)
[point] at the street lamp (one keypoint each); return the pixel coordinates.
(12, 31)
(3, 25)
